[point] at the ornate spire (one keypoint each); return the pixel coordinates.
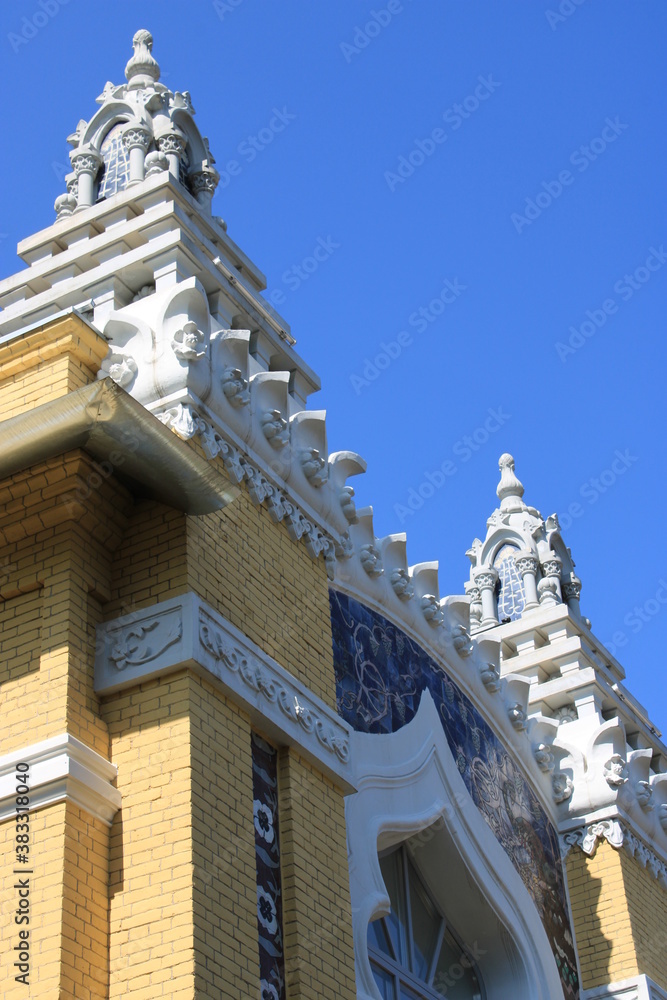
(509, 486)
(142, 67)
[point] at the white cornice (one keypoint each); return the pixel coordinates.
(61, 768)
(186, 632)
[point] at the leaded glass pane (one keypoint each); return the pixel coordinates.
(425, 927)
(384, 982)
(392, 873)
(511, 597)
(115, 170)
(454, 979)
(378, 937)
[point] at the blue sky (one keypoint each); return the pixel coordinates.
(487, 180)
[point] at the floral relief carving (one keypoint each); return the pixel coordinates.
(271, 687)
(188, 343)
(142, 643)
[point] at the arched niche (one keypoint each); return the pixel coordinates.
(410, 790)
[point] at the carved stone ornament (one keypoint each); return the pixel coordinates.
(370, 560)
(188, 343)
(562, 787)
(544, 757)
(235, 386)
(181, 420)
(172, 143)
(615, 771)
(566, 713)
(144, 642)
(572, 589)
(143, 292)
(401, 585)
(275, 429)
(525, 563)
(292, 704)
(587, 837)
(517, 717)
(86, 161)
(348, 506)
(142, 67)
(551, 566)
(314, 466)
(485, 578)
(430, 606)
(662, 816)
(461, 640)
(490, 676)
(547, 590)
(644, 793)
(136, 136)
(155, 163)
(64, 205)
(121, 368)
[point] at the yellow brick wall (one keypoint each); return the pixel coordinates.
(46, 363)
(602, 924)
(151, 857)
(55, 556)
(151, 564)
(225, 885)
(47, 833)
(317, 922)
(252, 572)
(647, 906)
(85, 907)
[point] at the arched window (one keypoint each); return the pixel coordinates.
(414, 953)
(510, 593)
(115, 172)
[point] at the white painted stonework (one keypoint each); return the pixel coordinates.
(640, 988)
(186, 632)
(409, 789)
(61, 769)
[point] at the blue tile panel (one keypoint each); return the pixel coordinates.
(380, 676)
(267, 859)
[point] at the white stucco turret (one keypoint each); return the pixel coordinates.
(523, 563)
(140, 129)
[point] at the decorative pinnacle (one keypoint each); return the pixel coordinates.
(509, 485)
(142, 64)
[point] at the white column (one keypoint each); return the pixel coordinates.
(486, 578)
(526, 564)
(86, 163)
(136, 139)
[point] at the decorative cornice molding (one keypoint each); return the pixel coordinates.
(618, 835)
(61, 768)
(187, 632)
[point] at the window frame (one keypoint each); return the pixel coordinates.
(402, 974)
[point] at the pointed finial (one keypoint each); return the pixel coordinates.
(142, 67)
(509, 485)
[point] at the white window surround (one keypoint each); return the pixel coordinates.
(407, 782)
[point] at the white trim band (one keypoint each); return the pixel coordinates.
(61, 769)
(185, 632)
